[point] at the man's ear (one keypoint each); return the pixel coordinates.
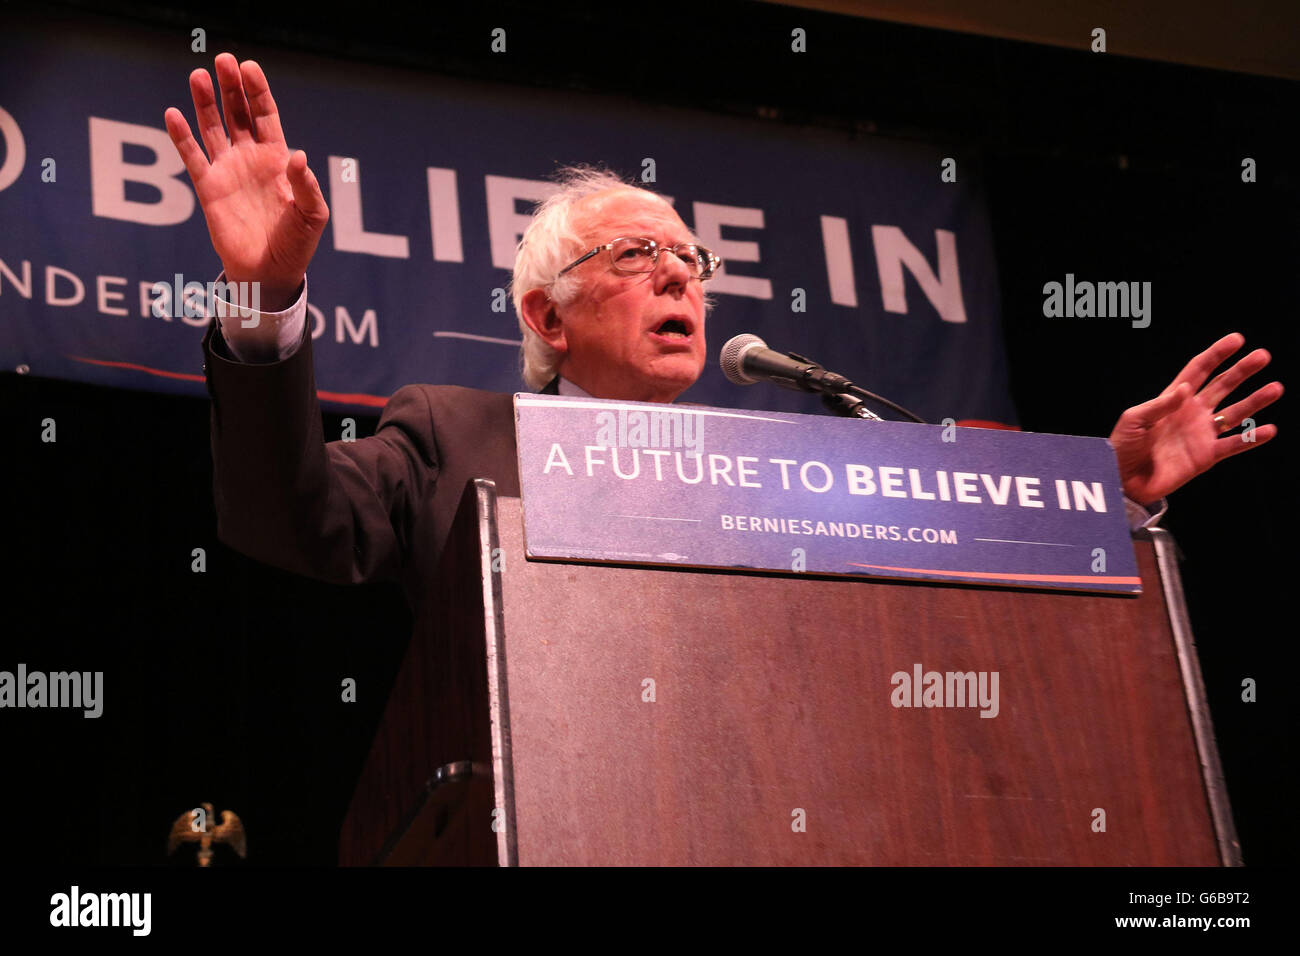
(539, 312)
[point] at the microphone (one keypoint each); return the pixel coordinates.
(746, 360)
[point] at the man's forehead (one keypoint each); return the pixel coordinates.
(629, 214)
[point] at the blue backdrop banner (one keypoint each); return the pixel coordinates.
(861, 253)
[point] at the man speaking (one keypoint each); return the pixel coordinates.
(609, 287)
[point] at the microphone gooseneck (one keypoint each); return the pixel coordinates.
(747, 360)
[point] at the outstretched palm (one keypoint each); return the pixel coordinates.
(1166, 442)
(264, 208)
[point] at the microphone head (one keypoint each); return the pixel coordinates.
(732, 357)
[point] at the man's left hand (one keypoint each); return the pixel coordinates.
(1166, 442)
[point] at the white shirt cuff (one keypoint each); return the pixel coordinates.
(1140, 516)
(260, 337)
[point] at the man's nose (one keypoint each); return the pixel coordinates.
(670, 270)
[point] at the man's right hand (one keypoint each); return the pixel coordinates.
(264, 207)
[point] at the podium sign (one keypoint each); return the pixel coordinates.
(655, 484)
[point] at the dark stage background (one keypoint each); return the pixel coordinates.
(224, 686)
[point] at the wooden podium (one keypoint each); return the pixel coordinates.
(573, 714)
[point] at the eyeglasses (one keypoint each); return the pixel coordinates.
(632, 255)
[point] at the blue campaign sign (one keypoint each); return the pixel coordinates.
(644, 483)
(844, 248)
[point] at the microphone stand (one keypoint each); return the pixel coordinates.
(843, 400)
(837, 392)
(850, 406)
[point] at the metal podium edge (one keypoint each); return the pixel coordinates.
(492, 560)
(1198, 710)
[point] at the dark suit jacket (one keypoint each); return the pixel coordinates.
(373, 509)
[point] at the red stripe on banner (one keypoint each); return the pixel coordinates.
(137, 368)
(344, 398)
(985, 423)
(1001, 576)
(352, 398)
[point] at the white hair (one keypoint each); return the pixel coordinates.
(550, 243)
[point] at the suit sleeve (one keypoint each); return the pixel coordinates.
(341, 512)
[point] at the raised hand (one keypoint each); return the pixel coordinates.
(1166, 442)
(264, 207)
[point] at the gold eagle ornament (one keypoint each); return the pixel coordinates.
(195, 826)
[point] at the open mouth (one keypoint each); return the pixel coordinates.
(678, 329)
